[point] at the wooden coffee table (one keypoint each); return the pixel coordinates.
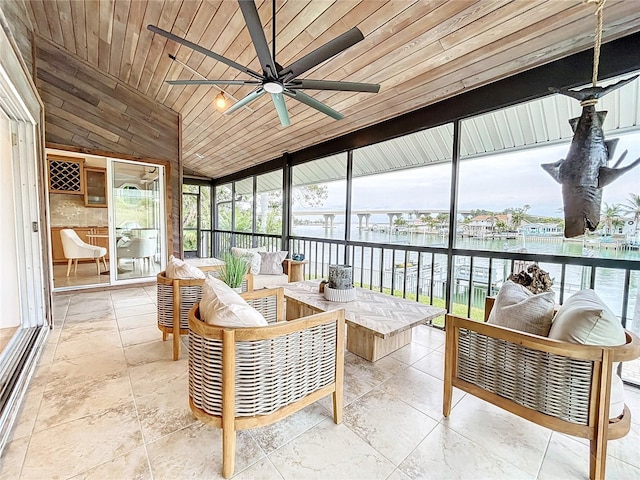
(377, 324)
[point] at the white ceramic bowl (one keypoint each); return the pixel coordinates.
(335, 295)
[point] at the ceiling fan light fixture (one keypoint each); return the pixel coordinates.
(273, 87)
(276, 79)
(220, 100)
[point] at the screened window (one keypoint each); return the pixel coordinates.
(244, 205)
(223, 206)
(319, 197)
(401, 189)
(269, 203)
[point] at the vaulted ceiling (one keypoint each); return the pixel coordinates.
(419, 51)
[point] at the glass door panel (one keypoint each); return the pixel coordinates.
(138, 220)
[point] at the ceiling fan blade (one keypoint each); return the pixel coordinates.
(312, 102)
(333, 85)
(281, 108)
(241, 103)
(320, 54)
(213, 82)
(252, 19)
(203, 51)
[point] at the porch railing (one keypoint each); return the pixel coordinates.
(423, 273)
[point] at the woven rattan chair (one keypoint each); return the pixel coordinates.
(242, 378)
(175, 299)
(561, 386)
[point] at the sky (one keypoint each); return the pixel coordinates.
(492, 183)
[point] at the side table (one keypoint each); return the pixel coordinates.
(295, 269)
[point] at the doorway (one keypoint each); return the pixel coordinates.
(24, 296)
(118, 214)
(10, 296)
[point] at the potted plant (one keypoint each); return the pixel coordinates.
(233, 271)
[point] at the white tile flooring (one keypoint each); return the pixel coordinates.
(107, 402)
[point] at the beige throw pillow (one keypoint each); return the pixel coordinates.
(516, 307)
(272, 263)
(585, 319)
(177, 269)
(251, 254)
(223, 307)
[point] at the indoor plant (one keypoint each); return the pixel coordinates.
(234, 270)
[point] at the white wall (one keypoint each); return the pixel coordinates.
(9, 286)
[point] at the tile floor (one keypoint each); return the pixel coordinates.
(107, 402)
(86, 274)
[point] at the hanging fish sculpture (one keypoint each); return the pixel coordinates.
(584, 172)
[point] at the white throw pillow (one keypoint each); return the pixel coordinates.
(518, 308)
(223, 307)
(586, 320)
(251, 254)
(272, 263)
(177, 269)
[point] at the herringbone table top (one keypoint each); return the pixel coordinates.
(380, 313)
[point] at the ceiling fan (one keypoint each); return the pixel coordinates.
(276, 80)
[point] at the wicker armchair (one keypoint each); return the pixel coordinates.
(561, 386)
(175, 299)
(242, 378)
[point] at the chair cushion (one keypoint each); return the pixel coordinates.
(272, 262)
(176, 268)
(252, 256)
(518, 308)
(266, 281)
(585, 319)
(223, 307)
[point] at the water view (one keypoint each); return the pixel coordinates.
(608, 282)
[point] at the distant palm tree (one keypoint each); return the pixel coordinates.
(518, 215)
(632, 207)
(610, 213)
(501, 226)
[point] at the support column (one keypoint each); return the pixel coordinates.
(328, 220)
(361, 216)
(391, 217)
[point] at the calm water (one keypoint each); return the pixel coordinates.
(533, 245)
(609, 283)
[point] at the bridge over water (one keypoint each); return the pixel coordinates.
(365, 215)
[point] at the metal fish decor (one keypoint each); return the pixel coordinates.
(584, 172)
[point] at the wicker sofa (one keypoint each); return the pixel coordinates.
(561, 386)
(242, 378)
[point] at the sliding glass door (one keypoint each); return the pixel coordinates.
(138, 220)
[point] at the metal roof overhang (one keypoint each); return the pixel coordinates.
(543, 121)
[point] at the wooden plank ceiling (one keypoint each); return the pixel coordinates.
(419, 51)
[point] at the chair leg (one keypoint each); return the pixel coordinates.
(449, 365)
(597, 459)
(164, 336)
(228, 450)
(69, 266)
(75, 266)
(98, 265)
(337, 405)
(104, 261)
